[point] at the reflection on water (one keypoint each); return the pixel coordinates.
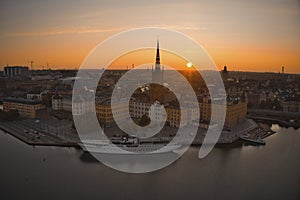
(232, 171)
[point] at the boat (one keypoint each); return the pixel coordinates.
(134, 148)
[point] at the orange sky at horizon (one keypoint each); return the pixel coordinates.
(258, 36)
(239, 58)
(146, 58)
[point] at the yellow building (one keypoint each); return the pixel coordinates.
(174, 116)
(187, 114)
(25, 107)
(104, 111)
(236, 111)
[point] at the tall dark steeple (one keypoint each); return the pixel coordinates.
(157, 90)
(157, 54)
(157, 73)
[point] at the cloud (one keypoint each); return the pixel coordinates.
(87, 30)
(62, 32)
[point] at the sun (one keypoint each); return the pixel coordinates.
(189, 64)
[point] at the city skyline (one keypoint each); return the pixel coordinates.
(63, 33)
(136, 99)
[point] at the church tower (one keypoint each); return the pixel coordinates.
(157, 73)
(157, 89)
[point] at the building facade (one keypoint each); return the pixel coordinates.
(139, 108)
(157, 112)
(76, 106)
(25, 107)
(11, 71)
(236, 111)
(104, 111)
(57, 102)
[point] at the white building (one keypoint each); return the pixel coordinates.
(57, 102)
(82, 106)
(77, 107)
(157, 112)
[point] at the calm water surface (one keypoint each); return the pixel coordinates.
(231, 171)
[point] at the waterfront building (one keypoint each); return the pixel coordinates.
(187, 114)
(104, 111)
(175, 115)
(236, 110)
(25, 107)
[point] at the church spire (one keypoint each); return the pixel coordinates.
(157, 52)
(157, 73)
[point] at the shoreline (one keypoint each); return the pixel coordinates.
(29, 140)
(48, 139)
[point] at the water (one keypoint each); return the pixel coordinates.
(234, 171)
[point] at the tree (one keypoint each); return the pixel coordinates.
(145, 120)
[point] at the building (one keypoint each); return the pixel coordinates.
(67, 103)
(236, 110)
(187, 114)
(157, 112)
(138, 109)
(174, 116)
(11, 71)
(35, 95)
(104, 111)
(78, 106)
(25, 107)
(57, 102)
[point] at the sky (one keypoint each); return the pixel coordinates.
(257, 35)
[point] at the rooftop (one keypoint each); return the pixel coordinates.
(22, 100)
